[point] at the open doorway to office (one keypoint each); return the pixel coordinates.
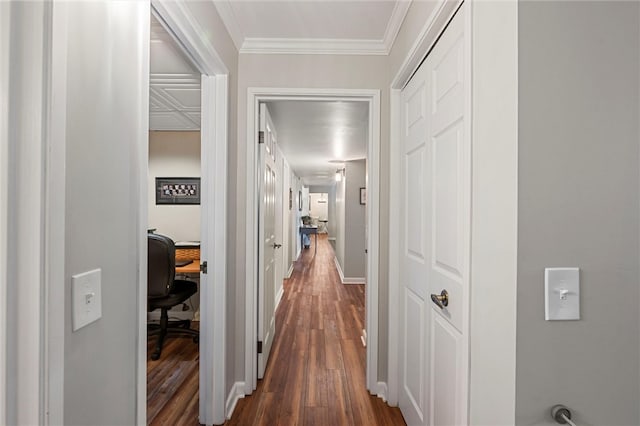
(255, 309)
(185, 162)
(174, 209)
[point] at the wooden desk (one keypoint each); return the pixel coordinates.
(188, 253)
(308, 230)
(192, 268)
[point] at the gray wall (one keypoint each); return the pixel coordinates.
(107, 84)
(578, 206)
(174, 154)
(355, 220)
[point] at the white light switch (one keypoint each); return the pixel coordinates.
(561, 294)
(87, 298)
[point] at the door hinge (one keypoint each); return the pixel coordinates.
(259, 347)
(260, 137)
(203, 267)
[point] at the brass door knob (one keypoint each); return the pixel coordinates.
(441, 300)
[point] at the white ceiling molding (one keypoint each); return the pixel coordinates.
(327, 46)
(292, 46)
(395, 22)
(230, 21)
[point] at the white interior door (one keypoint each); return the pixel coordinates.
(435, 239)
(279, 228)
(268, 244)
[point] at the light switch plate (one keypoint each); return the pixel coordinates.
(87, 298)
(561, 294)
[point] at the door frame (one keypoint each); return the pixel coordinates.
(427, 38)
(184, 27)
(255, 95)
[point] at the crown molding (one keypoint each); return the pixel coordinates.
(229, 19)
(395, 22)
(313, 46)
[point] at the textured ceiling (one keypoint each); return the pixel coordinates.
(174, 92)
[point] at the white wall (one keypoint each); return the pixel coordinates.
(174, 154)
(578, 206)
(330, 190)
(319, 205)
(494, 213)
(108, 71)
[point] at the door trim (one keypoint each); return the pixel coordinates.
(428, 36)
(254, 96)
(183, 25)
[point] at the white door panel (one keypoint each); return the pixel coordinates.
(267, 235)
(414, 362)
(445, 377)
(435, 240)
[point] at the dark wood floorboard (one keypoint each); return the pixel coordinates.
(315, 375)
(316, 372)
(172, 382)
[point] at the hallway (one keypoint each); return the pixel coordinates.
(316, 371)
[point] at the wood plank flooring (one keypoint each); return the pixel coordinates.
(172, 382)
(316, 370)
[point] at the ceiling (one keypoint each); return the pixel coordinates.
(366, 27)
(174, 92)
(317, 137)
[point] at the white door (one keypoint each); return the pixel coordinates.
(435, 239)
(268, 244)
(279, 229)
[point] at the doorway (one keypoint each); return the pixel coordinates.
(264, 95)
(181, 25)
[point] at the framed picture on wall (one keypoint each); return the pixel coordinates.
(290, 199)
(183, 190)
(299, 201)
(363, 196)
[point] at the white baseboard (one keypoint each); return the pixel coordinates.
(235, 395)
(290, 271)
(279, 296)
(347, 280)
(339, 268)
(382, 390)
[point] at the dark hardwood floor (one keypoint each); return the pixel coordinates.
(316, 371)
(172, 382)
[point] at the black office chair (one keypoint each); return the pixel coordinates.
(164, 291)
